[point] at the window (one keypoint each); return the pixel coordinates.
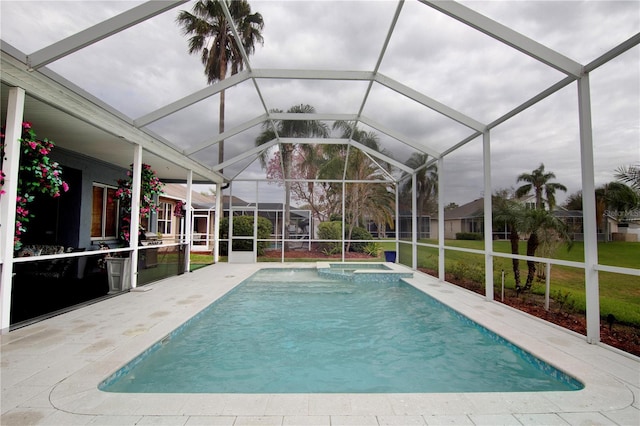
(165, 216)
(104, 214)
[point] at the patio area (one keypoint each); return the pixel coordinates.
(51, 370)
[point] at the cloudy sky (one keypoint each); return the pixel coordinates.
(147, 66)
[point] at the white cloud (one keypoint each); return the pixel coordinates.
(146, 67)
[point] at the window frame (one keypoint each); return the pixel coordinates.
(103, 215)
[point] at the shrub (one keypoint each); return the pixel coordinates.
(468, 236)
(333, 231)
(243, 225)
(330, 231)
(359, 233)
(372, 249)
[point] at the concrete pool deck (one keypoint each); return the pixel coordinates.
(50, 370)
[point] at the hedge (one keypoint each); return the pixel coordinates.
(243, 225)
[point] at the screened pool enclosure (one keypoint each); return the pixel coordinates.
(381, 114)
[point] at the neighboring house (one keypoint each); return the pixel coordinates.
(171, 226)
(627, 229)
(466, 218)
(469, 218)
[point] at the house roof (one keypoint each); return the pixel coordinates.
(198, 200)
(469, 210)
(475, 209)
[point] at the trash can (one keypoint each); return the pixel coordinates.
(390, 256)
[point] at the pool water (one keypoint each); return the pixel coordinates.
(292, 331)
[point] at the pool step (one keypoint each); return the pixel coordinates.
(363, 272)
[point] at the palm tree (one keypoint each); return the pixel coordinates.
(630, 175)
(538, 180)
(290, 129)
(618, 198)
(372, 200)
(537, 222)
(426, 185)
(211, 36)
(510, 212)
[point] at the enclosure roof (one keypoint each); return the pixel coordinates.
(428, 77)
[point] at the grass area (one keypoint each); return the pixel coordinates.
(619, 293)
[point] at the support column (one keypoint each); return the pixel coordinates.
(441, 270)
(397, 222)
(10, 166)
(216, 224)
(188, 220)
(590, 223)
(488, 221)
(344, 228)
(414, 222)
(135, 213)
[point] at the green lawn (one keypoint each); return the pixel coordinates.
(619, 293)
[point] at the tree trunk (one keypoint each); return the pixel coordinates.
(515, 239)
(532, 246)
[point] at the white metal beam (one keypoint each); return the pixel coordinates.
(441, 251)
(316, 141)
(394, 21)
(534, 100)
(232, 132)
(488, 217)
(311, 116)
(250, 153)
(294, 74)
(507, 36)
(430, 102)
(99, 31)
(616, 51)
(590, 221)
(381, 156)
(397, 136)
(63, 95)
(191, 99)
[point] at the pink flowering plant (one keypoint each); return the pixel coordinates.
(178, 210)
(38, 175)
(150, 188)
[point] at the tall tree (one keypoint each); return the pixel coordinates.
(426, 185)
(212, 38)
(538, 181)
(539, 224)
(290, 129)
(615, 199)
(508, 211)
(630, 175)
(373, 200)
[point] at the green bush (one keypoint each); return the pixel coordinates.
(359, 233)
(333, 231)
(243, 226)
(468, 236)
(330, 231)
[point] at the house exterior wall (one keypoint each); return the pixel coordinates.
(451, 228)
(91, 170)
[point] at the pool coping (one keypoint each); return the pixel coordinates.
(611, 378)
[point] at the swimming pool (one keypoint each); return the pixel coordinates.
(293, 331)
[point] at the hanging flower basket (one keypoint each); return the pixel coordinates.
(37, 175)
